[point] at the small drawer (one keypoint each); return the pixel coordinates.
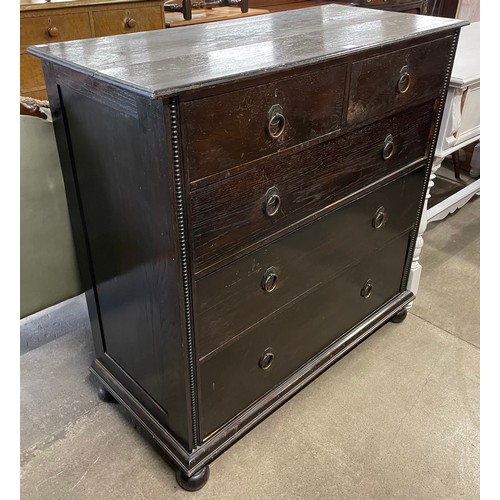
(114, 22)
(384, 84)
(46, 29)
(245, 370)
(244, 209)
(234, 128)
(232, 299)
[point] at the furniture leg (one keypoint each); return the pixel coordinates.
(400, 316)
(416, 268)
(475, 162)
(195, 482)
(456, 163)
(105, 395)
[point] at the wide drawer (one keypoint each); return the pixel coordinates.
(240, 374)
(232, 299)
(58, 28)
(226, 130)
(383, 84)
(242, 210)
(116, 21)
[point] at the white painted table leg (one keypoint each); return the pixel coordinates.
(416, 268)
(475, 163)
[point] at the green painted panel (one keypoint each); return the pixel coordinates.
(48, 268)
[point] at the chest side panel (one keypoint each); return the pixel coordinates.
(127, 205)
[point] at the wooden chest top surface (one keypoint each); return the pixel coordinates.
(166, 62)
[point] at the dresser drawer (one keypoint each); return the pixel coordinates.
(46, 28)
(386, 83)
(235, 377)
(234, 298)
(230, 129)
(113, 22)
(240, 211)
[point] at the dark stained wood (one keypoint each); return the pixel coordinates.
(374, 81)
(229, 215)
(165, 62)
(231, 300)
(161, 252)
(135, 274)
(217, 127)
(232, 379)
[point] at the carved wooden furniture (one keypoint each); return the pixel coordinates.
(48, 22)
(410, 6)
(245, 214)
(174, 17)
(460, 127)
(186, 6)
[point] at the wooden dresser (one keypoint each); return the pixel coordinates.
(60, 20)
(244, 213)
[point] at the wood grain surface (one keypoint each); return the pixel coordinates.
(232, 299)
(229, 215)
(232, 379)
(231, 128)
(165, 62)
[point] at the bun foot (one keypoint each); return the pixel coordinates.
(105, 395)
(399, 317)
(195, 482)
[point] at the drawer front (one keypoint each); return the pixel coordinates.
(118, 21)
(237, 376)
(58, 28)
(31, 73)
(232, 299)
(386, 83)
(233, 128)
(237, 212)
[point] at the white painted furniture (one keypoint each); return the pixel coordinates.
(459, 127)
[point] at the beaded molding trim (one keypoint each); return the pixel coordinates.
(428, 167)
(181, 222)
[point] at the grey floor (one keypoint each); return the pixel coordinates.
(397, 418)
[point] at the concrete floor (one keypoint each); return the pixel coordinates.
(397, 418)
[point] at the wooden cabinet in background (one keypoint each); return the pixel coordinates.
(46, 22)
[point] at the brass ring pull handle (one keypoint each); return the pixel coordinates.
(273, 201)
(404, 80)
(53, 31)
(277, 122)
(367, 289)
(270, 280)
(389, 147)
(130, 22)
(266, 359)
(380, 218)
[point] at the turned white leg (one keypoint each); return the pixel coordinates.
(416, 268)
(475, 163)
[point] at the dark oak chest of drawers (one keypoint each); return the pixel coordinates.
(245, 200)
